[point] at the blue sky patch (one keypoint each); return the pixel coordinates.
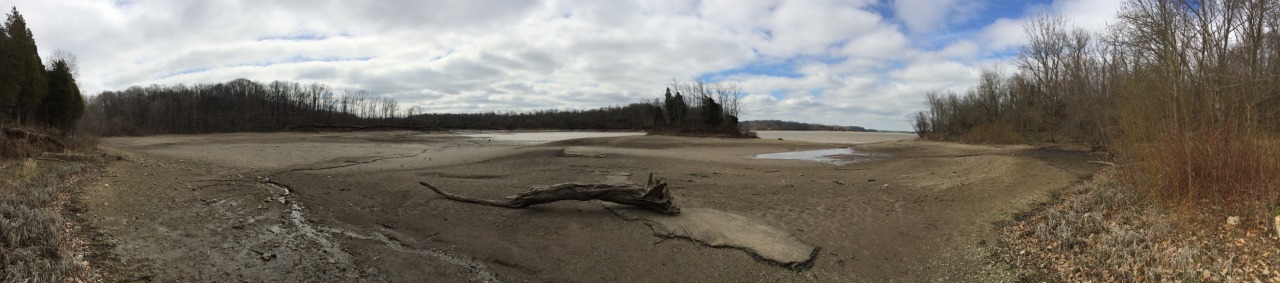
(300, 36)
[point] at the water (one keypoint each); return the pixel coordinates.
(834, 136)
(545, 137)
(832, 156)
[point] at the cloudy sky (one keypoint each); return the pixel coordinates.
(859, 62)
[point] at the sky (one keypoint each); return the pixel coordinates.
(860, 62)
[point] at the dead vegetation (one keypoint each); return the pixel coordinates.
(1101, 230)
(38, 241)
(23, 142)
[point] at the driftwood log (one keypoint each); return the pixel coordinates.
(653, 196)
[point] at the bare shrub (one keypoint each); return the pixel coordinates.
(996, 133)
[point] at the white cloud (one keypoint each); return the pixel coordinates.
(928, 15)
(843, 61)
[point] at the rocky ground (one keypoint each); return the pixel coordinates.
(347, 207)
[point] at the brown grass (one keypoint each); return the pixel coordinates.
(1211, 150)
(37, 239)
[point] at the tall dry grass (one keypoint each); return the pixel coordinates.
(37, 240)
(1190, 153)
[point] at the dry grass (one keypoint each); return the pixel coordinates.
(37, 239)
(1102, 231)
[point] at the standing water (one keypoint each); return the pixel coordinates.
(833, 156)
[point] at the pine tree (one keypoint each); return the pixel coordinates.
(9, 79)
(23, 63)
(712, 113)
(64, 105)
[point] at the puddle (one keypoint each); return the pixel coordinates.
(544, 137)
(837, 156)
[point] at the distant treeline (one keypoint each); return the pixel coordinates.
(247, 106)
(777, 125)
(243, 105)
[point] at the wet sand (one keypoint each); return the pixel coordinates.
(340, 207)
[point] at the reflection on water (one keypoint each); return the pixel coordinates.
(837, 156)
(545, 137)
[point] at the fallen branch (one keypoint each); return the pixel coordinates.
(653, 196)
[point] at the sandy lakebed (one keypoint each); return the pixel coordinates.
(347, 207)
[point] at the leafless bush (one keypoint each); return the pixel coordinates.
(1185, 92)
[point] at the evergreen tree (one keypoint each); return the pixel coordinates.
(9, 78)
(64, 105)
(712, 113)
(24, 67)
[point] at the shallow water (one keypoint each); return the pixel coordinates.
(545, 137)
(834, 136)
(833, 156)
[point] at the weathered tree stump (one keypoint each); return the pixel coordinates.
(653, 196)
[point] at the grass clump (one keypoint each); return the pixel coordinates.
(38, 240)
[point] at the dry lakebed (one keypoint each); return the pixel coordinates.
(347, 207)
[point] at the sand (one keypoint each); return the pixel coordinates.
(340, 207)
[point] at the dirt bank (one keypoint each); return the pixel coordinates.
(347, 207)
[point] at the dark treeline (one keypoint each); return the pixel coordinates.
(636, 116)
(247, 106)
(1184, 93)
(32, 94)
(778, 125)
(236, 106)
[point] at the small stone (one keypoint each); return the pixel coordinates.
(1233, 220)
